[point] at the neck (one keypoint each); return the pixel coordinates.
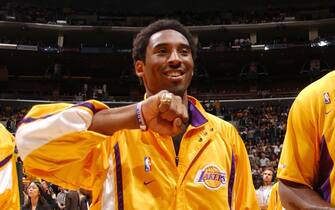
(34, 201)
(185, 100)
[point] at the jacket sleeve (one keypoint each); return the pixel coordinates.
(302, 143)
(9, 189)
(56, 145)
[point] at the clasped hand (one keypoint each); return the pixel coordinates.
(165, 113)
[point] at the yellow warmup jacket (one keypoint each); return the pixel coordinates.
(308, 152)
(134, 169)
(9, 188)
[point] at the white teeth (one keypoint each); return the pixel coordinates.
(174, 73)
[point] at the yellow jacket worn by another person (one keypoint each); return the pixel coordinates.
(274, 199)
(9, 189)
(308, 152)
(134, 169)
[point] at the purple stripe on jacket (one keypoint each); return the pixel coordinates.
(118, 176)
(326, 165)
(6, 160)
(231, 180)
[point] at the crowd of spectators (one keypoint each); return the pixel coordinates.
(28, 12)
(10, 116)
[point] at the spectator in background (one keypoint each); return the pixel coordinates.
(36, 199)
(273, 160)
(61, 196)
(11, 124)
(263, 193)
(49, 195)
(217, 106)
(264, 161)
(72, 200)
(84, 199)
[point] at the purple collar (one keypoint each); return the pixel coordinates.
(196, 117)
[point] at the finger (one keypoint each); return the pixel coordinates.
(182, 110)
(165, 100)
(172, 112)
(177, 126)
(183, 113)
(161, 126)
(163, 107)
(176, 110)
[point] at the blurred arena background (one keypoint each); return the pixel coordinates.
(253, 58)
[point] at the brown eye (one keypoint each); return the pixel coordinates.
(162, 50)
(185, 51)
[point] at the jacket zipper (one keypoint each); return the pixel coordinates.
(177, 160)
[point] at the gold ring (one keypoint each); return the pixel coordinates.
(166, 98)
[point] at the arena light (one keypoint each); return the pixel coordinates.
(61, 22)
(257, 47)
(323, 43)
(27, 47)
(8, 17)
(8, 46)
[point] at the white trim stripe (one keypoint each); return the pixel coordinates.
(108, 195)
(6, 180)
(34, 135)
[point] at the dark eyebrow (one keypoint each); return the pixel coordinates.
(160, 45)
(186, 46)
(166, 44)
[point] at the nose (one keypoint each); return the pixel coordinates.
(174, 59)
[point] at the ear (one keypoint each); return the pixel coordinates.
(139, 68)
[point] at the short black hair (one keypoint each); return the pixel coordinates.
(141, 40)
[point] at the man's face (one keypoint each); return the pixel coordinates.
(267, 176)
(168, 64)
(45, 185)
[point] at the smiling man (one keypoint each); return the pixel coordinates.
(164, 152)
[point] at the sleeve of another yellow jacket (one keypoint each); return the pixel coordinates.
(299, 160)
(244, 195)
(274, 200)
(55, 145)
(9, 189)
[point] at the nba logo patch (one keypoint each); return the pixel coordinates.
(147, 164)
(326, 98)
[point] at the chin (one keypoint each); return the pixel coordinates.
(178, 92)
